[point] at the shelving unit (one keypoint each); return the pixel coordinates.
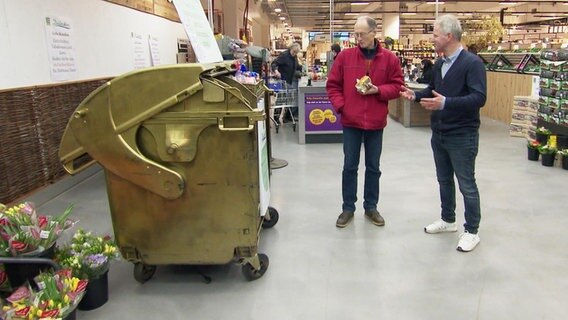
(515, 62)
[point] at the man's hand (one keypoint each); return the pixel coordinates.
(407, 93)
(433, 103)
(372, 90)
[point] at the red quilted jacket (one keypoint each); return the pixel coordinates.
(367, 112)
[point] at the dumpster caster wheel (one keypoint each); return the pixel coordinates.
(266, 224)
(277, 128)
(294, 127)
(143, 272)
(250, 273)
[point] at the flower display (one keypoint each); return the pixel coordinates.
(543, 130)
(24, 232)
(547, 149)
(87, 255)
(563, 152)
(533, 144)
(57, 296)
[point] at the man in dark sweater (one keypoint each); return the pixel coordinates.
(457, 91)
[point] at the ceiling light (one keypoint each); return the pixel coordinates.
(282, 18)
(360, 4)
(409, 13)
(277, 10)
(351, 14)
(434, 2)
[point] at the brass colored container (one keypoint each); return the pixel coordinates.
(184, 154)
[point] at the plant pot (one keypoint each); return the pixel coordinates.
(542, 138)
(532, 154)
(19, 273)
(72, 315)
(548, 159)
(565, 162)
(96, 294)
(562, 141)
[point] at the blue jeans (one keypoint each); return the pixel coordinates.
(352, 140)
(455, 154)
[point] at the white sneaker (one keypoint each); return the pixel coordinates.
(441, 226)
(468, 242)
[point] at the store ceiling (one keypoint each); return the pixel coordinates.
(314, 15)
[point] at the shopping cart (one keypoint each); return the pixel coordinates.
(286, 99)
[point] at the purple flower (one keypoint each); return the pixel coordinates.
(95, 260)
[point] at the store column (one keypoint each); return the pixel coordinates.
(391, 21)
(230, 21)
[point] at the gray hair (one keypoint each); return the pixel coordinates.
(370, 22)
(294, 45)
(450, 24)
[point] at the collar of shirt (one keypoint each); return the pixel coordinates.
(453, 56)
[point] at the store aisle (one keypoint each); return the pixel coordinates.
(365, 272)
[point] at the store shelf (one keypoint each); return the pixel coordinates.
(513, 62)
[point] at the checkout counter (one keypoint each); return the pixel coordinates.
(410, 113)
(317, 120)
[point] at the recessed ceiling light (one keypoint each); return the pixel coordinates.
(282, 18)
(277, 10)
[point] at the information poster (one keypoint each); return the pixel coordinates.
(138, 49)
(62, 62)
(320, 115)
(198, 31)
(154, 51)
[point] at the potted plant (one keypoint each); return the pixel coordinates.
(564, 154)
(532, 148)
(57, 297)
(542, 135)
(548, 153)
(26, 233)
(88, 256)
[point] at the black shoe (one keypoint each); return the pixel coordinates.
(375, 217)
(344, 218)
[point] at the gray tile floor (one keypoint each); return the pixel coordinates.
(519, 271)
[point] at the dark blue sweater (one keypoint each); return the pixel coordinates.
(465, 89)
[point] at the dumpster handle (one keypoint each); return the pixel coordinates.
(223, 128)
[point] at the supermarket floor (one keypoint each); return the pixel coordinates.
(365, 272)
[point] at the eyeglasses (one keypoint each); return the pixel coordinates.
(361, 34)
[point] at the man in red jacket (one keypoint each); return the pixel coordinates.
(363, 114)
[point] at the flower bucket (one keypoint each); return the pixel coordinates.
(562, 141)
(548, 159)
(532, 154)
(542, 138)
(19, 273)
(96, 294)
(72, 315)
(565, 162)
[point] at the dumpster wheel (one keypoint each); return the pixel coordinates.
(143, 272)
(249, 271)
(272, 220)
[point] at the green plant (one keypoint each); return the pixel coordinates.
(547, 149)
(543, 130)
(87, 255)
(563, 152)
(25, 232)
(533, 144)
(58, 295)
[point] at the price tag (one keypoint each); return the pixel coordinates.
(516, 47)
(543, 45)
(44, 234)
(490, 48)
(564, 45)
(533, 45)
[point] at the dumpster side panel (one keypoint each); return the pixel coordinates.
(217, 213)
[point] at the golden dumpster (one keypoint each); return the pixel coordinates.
(184, 152)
